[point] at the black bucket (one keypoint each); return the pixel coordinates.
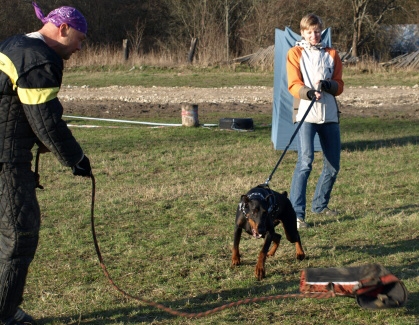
(237, 124)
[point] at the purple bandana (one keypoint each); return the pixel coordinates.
(63, 15)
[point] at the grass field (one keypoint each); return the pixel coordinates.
(191, 76)
(165, 206)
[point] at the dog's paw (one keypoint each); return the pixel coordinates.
(235, 261)
(300, 257)
(235, 257)
(259, 272)
(260, 266)
(299, 251)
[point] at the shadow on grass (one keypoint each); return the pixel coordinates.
(406, 209)
(148, 314)
(405, 246)
(143, 313)
(412, 305)
(365, 145)
(198, 304)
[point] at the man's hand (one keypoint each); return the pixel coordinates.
(42, 148)
(82, 168)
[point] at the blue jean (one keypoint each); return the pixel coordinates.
(329, 136)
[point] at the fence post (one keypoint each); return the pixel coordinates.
(192, 49)
(125, 49)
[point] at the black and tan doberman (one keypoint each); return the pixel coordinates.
(258, 213)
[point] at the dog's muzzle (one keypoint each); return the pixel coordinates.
(256, 234)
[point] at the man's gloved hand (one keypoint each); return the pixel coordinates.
(82, 168)
(326, 85)
(311, 94)
(42, 148)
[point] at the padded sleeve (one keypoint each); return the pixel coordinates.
(38, 91)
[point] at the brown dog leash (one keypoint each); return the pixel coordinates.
(305, 294)
(321, 295)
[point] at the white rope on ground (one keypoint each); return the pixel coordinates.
(127, 121)
(99, 126)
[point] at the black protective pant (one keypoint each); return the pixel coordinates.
(19, 232)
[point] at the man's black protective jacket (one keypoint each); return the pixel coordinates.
(30, 112)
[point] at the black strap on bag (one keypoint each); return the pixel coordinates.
(372, 285)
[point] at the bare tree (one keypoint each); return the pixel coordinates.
(223, 27)
(135, 36)
(367, 16)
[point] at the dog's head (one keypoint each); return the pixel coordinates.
(255, 208)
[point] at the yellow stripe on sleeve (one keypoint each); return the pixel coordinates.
(35, 96)
(7, 66)
(27, 96)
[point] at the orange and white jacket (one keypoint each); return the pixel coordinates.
(306, 66)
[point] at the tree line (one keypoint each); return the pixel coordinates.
(224, 28)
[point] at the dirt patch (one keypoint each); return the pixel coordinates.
(139, 102)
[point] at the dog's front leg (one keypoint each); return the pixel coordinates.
(260, 265)
(235, 260)
(276, 238)
(299, 250)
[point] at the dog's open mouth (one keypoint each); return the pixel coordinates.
(255, 234)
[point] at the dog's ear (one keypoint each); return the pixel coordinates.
(284, 193)
(245, 199)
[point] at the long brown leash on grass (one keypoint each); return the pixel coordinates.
(174, 312)
(322, 295)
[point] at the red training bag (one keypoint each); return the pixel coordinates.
(372, 285)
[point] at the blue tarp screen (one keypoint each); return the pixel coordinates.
(282, 125)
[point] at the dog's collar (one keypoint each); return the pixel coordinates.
(256, 194)
(241, 208)
(272, 202)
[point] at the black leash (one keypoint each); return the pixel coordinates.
(266, 184)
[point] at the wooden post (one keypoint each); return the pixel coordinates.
(125, 49)
(227, 31)
(192, 49)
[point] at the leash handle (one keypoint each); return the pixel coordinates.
(289, 143)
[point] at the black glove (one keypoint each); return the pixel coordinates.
(326, 85)
(82, 168)
(311, 94)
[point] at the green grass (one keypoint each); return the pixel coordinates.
(165, 206)
(354, 77)
(169, 77)
(148, 76)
